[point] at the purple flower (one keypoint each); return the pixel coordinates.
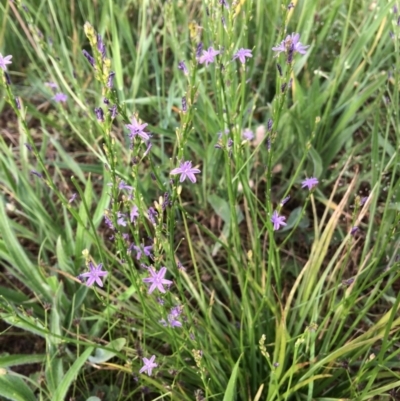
(147, 151)
(186, 170)
(184, 104)
(285, 200)
(149, 365)
(310, 183)
(110, 79)
(121, 219)
(349, 281)
(4, 61)
(291, 44)
(109, 223)
(176, 311)
(354, 230)
(34, 172)
(113, 111)
(101, 46)
(182, 67)
(51, 85)
(60, 97)
(88, 57)
(173, 322)
(72, 198)
(241, 54)
(166, 201)
(199, 49)
(29, 147)
(134, 213)
(137, 129)
(99, 114)
(181, 268)
(220, 133)
(95, 274)
(152, 215)
(124, 185)
(18, 103)
(157, 280)
(277, 220)
(208, 56)
(7, 78)
(279, 68)
(224, 3)
(269, 142)
(248, 134)
(172, 317)
(143, 249)
(363, 200)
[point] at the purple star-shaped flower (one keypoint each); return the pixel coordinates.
(291, 43)
(248, 134)
(186, 170)
(4, 61)
(172, 317)
(277, 220)
(121, 219)
(241, 54)
(143, 249)
(134, 213)
(182, 67)
(157, 279)
(149, 365)
(171, 321)
(94, 275)
(137, 129)
(60, 97)
(310, 183)
(124, 185)
(208, 56)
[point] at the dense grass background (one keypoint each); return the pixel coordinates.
(308, 312)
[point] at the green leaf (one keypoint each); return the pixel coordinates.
(54, 367)
(317, 161)
(15, 389)
(82, 239)
(230, 393)
(16, 360)
(103, 355)
(19, 259)
(61, 392)
(294, 216)
(62, 257)
(222, 209)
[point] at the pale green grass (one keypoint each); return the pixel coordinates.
(268, 315)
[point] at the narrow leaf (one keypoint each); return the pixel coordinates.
(230, 393)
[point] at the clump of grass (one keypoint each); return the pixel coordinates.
(182, 210)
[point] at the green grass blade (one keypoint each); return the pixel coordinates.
(71, 375)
